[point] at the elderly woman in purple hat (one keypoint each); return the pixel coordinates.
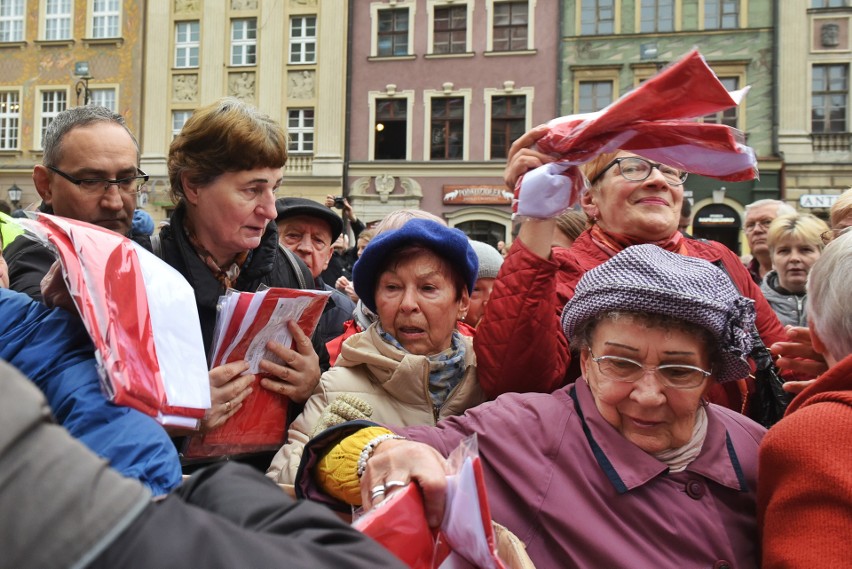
(627, 467)
(412, 366)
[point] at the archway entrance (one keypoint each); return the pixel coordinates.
(718, 222)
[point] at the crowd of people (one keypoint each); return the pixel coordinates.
(604, 360)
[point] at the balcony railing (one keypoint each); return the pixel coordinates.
(299, 165)
(831, 141)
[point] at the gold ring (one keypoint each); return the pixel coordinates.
(228, 406)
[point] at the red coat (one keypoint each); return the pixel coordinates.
(805, 477)
(519, 342)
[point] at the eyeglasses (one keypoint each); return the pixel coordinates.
(128, 186)
(626, 370)
(635, 169)
(832, 234)
(293, 238)
(752, 225)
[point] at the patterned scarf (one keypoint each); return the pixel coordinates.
(679, 458)
(227, 275)
(612, 243)
(446, 369)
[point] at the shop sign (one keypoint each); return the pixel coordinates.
(477, 195)
(818, 200)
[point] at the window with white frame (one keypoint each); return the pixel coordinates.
(103, 98)
(730, 116)
(447, 128)
(390, 129)
(597, 17)
(11, 20)
(106, 15)
(593, 95)
(186, 44)
(244, 41)
(392, 35)
(657, 16)
(449, 29)
(57, 19)
(10, 119)
(179, 118)
(829, 98)
(300, 128)
(508, 122)
(510, 26)
(303, 39)
(829, 3)
(52, 103)
(721, 14)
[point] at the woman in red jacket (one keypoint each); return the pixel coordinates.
(631, 201)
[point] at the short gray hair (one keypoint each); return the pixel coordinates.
(77, 117)
(830, 296)
(783, 207)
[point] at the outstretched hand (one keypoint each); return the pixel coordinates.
(297, 377)
(797, 355)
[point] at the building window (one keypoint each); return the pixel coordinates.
(450, 35)
(103, 98)
(511, 26)
(829, 98)
(10, 120)
(186, 44)
(508, 122)
(303, 39)
(52, 103)
(730, 116)
(393, 32)
(179, 118)
(721, 14)
(593, 95)
(829, 3)
(300, 127)
(244, 41)
(11, 20)
(105, 18)
(657, 16)
(391, 129)
(447, 128)
(57, 20)
(597, 17)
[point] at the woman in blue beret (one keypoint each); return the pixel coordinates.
(412, 366)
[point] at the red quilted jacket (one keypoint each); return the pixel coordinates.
(519, 343)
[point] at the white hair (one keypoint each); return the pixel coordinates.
(830, 296)
(783, 207)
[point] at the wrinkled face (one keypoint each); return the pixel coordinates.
(309, 238)
(99, 150)
(231, 213)
(757, 222)
(478, 300)
(648, 414)
(792, 260)
(648, 210)
(416, 302)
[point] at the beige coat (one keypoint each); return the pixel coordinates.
(394, 383)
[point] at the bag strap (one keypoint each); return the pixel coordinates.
(297, 268)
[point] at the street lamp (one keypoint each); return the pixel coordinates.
(81, 70)
(15, 194)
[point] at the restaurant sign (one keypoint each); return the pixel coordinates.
(478, 195)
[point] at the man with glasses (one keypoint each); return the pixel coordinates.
(758, 216)
(309, 229)
(90, 172)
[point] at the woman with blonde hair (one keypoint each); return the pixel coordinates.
(795, 243)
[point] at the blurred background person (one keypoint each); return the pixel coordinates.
(795, 243)
(685, 217)
(490, 261)
(411, 366)
(758, 216)
(569, 226)
(344, 284)
(840, 215)
(805, 483)
(341, 264)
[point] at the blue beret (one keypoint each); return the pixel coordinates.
(450, 244)
(142, 223)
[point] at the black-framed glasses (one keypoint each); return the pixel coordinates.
(637, 169)
(625, 370)
(129, 185)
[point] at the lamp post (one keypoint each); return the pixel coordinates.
(81, 70)
(15, 194)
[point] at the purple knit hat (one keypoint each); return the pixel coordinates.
(646, 278)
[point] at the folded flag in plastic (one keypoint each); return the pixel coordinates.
(141, 315)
